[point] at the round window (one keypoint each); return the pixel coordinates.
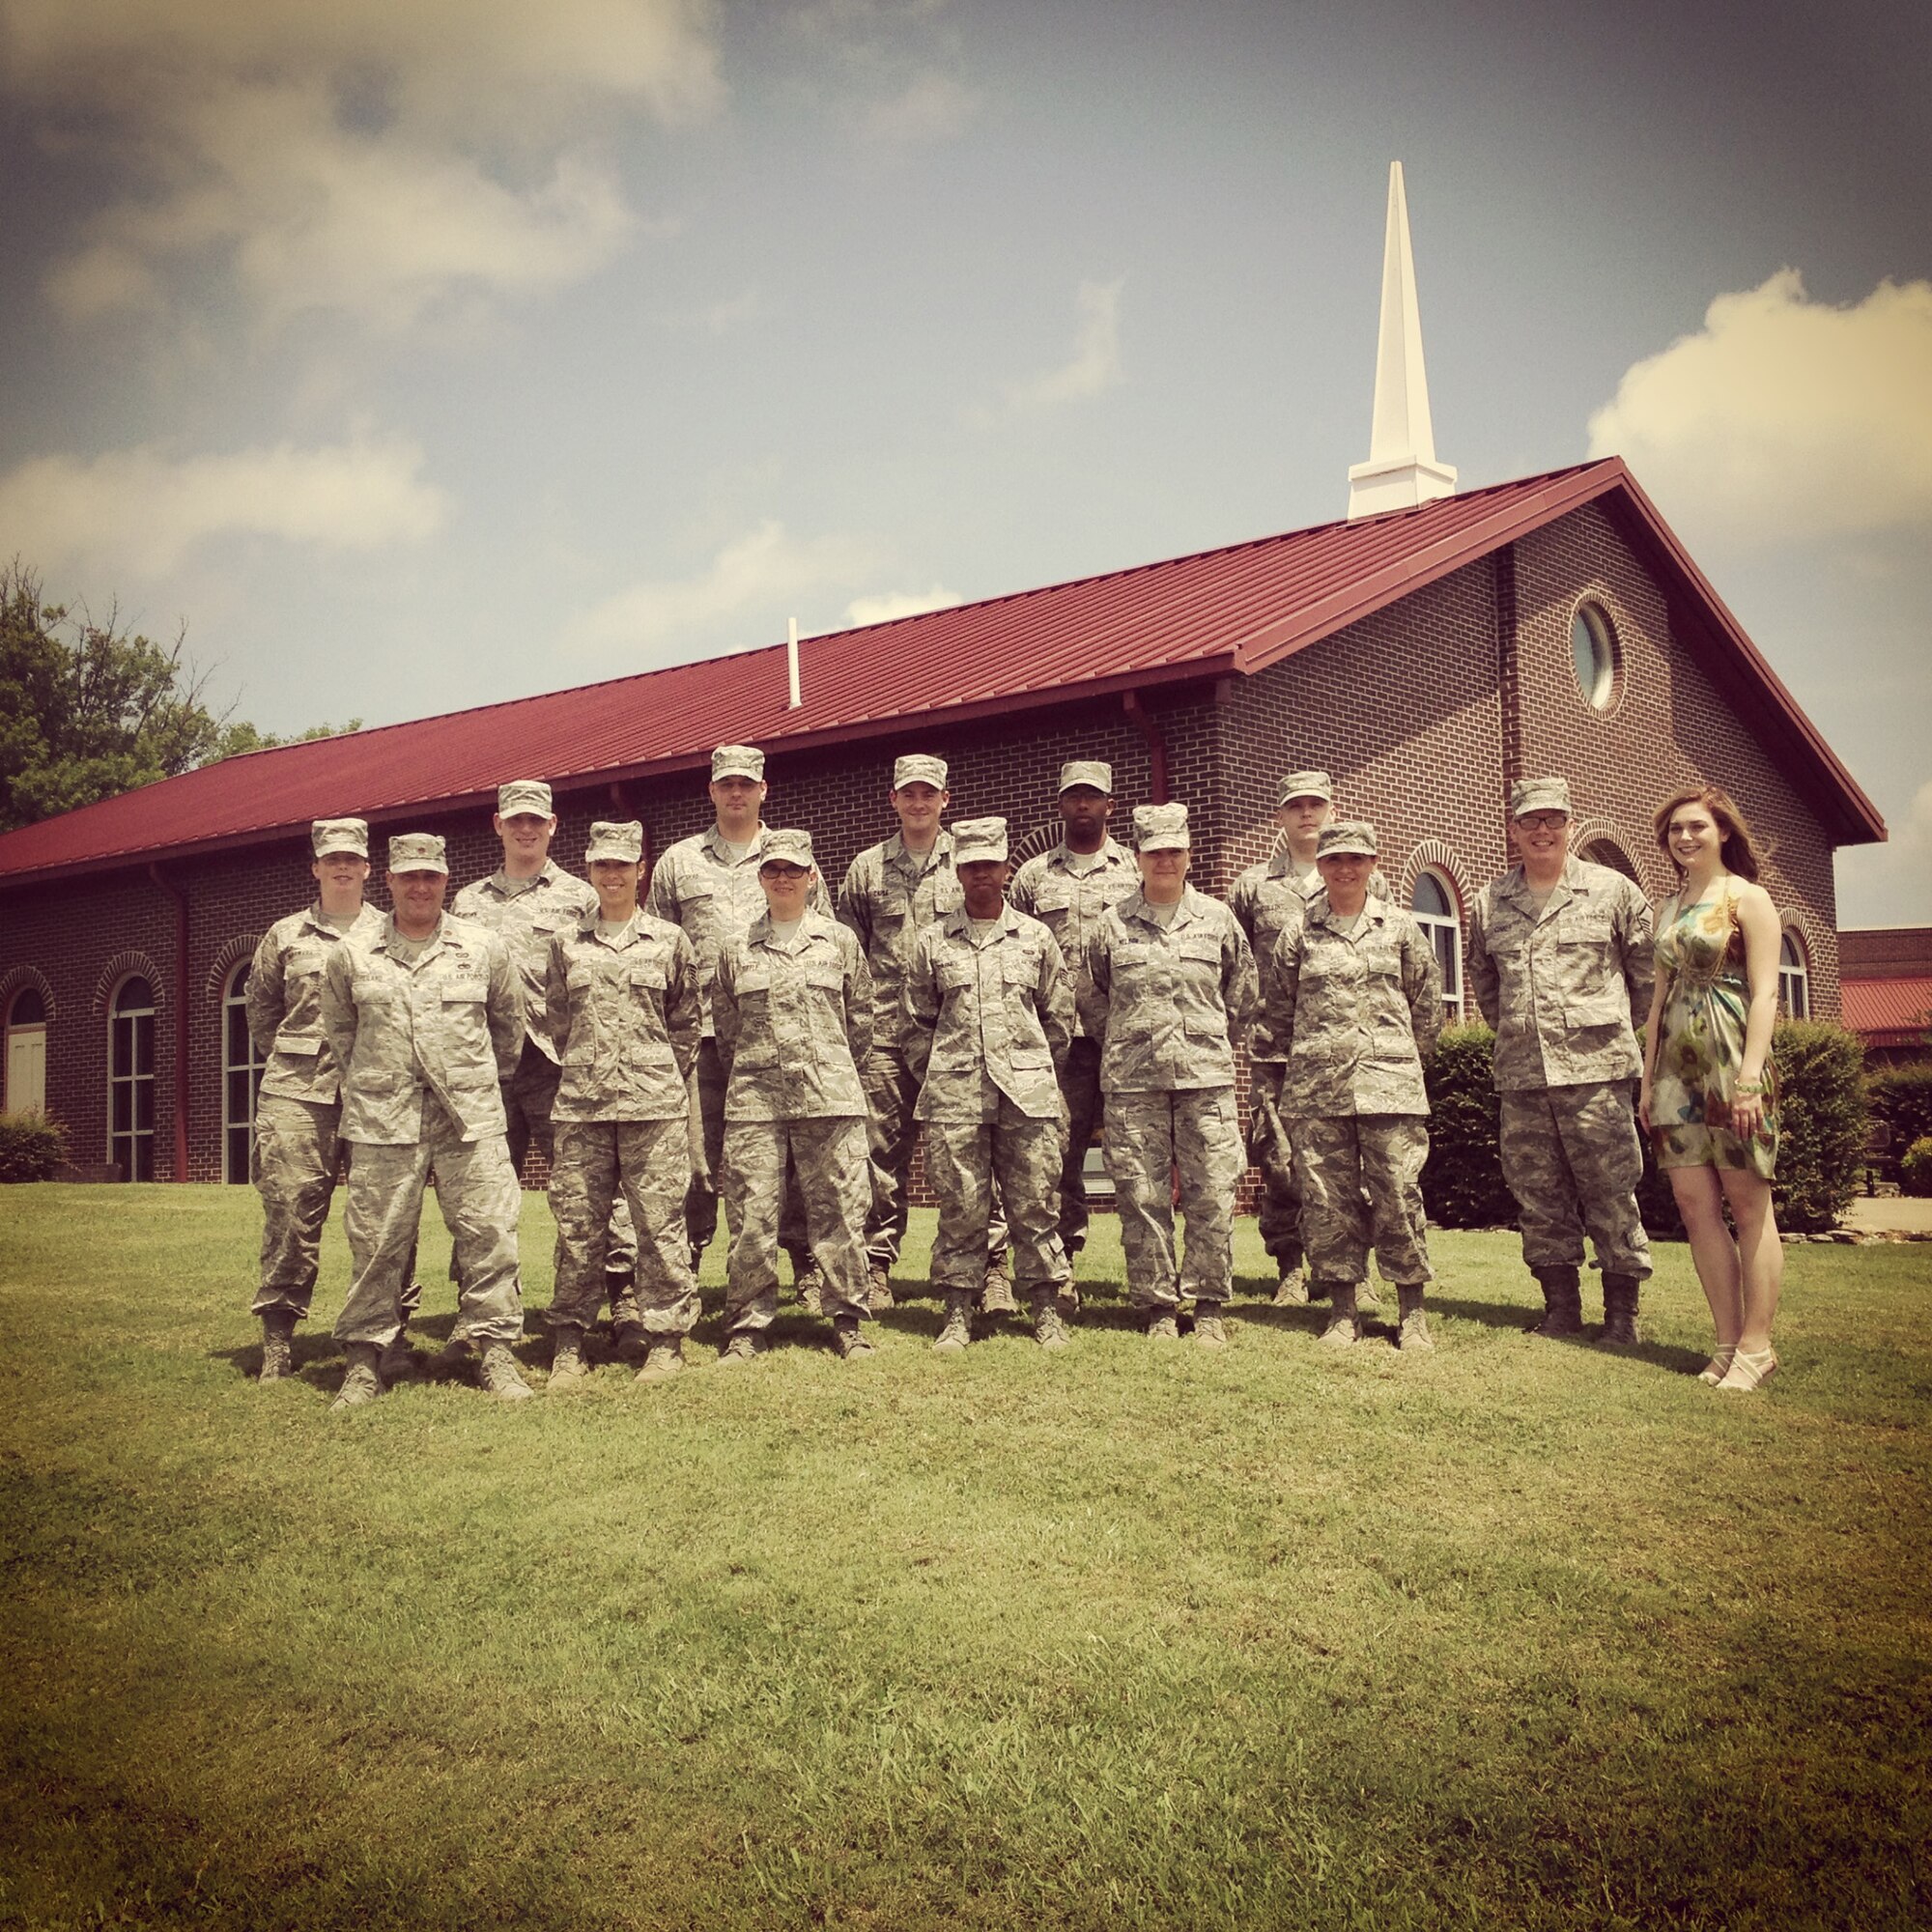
(1593, 644)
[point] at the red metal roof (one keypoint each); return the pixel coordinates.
(1888, 1012)
(1219, 612)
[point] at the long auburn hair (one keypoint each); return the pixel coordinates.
(1735, 845)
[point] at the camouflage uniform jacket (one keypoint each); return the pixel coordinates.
(697, 884)
(449, 1022)
(285, 1003)
(1069, 902)
(528, 914)
(1268, 899)
(623, 1014)
(794, 1022)
(986, 1020)
(888, 898)
(1358, 1009)
(1563, 987)
(1167, 1000)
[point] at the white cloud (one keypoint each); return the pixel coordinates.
(362, 157)
(751, 585)
(886, 605)
(1785, 418)
(139, 511)
(1891, 884)
(1093, 367)
(932, 107)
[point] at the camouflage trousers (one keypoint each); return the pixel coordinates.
(891, 1092)
(645, 1164)
(478, 1193)
(1572, 1159)
(970, 1161)
(706, 1087)
(1361, 1186)
(528, 1095)
(1271, 1149)
(1151, 1136)
(1080, 1089)
(835, 1182)
(296, 1156)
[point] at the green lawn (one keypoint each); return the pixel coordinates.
(1519, 1633)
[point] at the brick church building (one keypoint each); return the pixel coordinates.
(1428, 651)
(1425, 656)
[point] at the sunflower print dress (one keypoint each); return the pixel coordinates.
(1701, 950)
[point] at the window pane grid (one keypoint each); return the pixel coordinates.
(242, 1071)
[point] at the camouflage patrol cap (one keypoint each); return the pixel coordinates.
(785, 846)
(530, 795)
(1162, 828)
(339, 834)
(1305, 784)
(1347, 836)
(976, 838)
(611, 840)
(738, 761)
(1529, 795)
(919, 768)
(1093, 772)
(417, 852)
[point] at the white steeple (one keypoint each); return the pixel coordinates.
(1402, 470)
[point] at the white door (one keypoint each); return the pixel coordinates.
(27, 1070)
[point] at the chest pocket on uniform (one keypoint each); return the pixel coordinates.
(648, 977)
(472, 992)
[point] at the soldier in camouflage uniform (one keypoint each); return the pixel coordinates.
(425, 1018)
(622, 1008)
(529, 900)
(299, 1111)
(1561, 966)
(1267, 898)
(1356, 996)
(891, 892)
(989, 1005)
(708, 886)
(792, 1003)
(1170, 982)
(1068, 889)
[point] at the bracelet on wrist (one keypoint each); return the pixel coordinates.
(1749, 1090)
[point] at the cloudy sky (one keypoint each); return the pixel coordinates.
(424, 353)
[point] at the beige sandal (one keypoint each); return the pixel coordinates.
(1749, 1370)
(1718, 1366)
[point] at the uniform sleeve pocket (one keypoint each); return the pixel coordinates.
(305, 1045)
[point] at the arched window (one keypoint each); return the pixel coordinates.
(1434, 904)
(1606, 852)
(26, 1063)
(240, 1078)
(1794, 978)
(131, 1079)
(1593, 644)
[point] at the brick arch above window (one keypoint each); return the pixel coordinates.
(124, 966)
(1432, 855)
(1591, 832)
(15, 978)
(1042, 838)
(241, 947)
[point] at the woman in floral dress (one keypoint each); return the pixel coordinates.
(1708, 1097)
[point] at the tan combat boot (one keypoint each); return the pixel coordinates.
(568, 1370)
(499, 1376)
(959, 1329)
(278, 1344)
(361, 1383)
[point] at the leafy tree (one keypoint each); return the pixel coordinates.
(87, 710)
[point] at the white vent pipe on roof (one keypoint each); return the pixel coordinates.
(791, 666)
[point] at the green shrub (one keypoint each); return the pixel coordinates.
(1462, 1184)
(1914, 1170)
(30, 1146)
(1822, 1129)
(1901, 1098)
(1823, 1122)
